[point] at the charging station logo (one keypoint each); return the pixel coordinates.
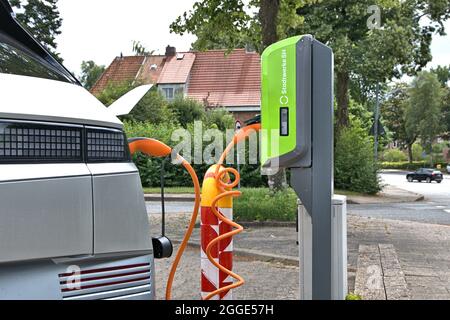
(284, 99)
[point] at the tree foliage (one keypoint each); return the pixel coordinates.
(218, 24)
(152, 107)
(186, 110)
(394, 116)
(90, 73)
(424, 111)
(443, 74)
(140, 50)
(400, 46)
(42, 19)
(415, 111)
(355, 166)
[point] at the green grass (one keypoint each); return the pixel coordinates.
(353, 296)
(260, 205)
(255, 204)
(171, 190)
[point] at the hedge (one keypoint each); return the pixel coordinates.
(176, 175)
(405, 165)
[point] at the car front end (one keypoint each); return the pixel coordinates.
(73, 219)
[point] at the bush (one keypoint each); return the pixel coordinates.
(219, 119)
(176, 175)
(186, 110)
(412, 166)
(263, 205)
(152, 107)
(394, 155)
(355, 166)
(404, 165)
(417, 152)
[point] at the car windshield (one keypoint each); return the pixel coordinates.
(16, 59)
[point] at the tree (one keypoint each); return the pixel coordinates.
(140, 50)
(394, 116)
(152, 107)
(218, 24)
(42, 19)
(187, 110)
(443, 74)
(90, 73)
(228, 24)
(424, 111)
(446, 113)
(401, 45)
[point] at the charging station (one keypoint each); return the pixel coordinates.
(297, 123)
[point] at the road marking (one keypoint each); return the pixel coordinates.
(440, 207)
(448, 210)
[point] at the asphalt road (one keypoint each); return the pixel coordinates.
(434, 209)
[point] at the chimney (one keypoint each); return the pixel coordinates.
(171, 51)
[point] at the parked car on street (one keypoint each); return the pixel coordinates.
(448, 168)
(425, 174)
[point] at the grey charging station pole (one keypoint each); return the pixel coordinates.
(314, 185)
(310, 84)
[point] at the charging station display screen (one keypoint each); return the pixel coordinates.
(284, 122)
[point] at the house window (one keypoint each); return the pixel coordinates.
(168, 93)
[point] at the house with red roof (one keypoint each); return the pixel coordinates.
(215, 78)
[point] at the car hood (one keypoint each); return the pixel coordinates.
(30, 98)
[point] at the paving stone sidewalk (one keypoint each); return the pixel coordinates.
(423, 252)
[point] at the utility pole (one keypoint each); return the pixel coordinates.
(377, 119)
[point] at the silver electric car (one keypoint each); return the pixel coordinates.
(73, 221)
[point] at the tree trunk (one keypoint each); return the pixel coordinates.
(268, 15)
(278, 181)
(410, 153)
(343, 81)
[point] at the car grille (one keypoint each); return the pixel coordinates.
(31, 142)
(118, 282)
(105, 145)
(25, 142)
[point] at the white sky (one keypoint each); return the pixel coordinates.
(100, 30)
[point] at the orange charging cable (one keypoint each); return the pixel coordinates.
(225, 186)
(155, 148)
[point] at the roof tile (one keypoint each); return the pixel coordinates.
(177, 70)
(226, 80)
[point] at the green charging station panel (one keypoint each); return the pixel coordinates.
(297, 133)
(286, 103)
